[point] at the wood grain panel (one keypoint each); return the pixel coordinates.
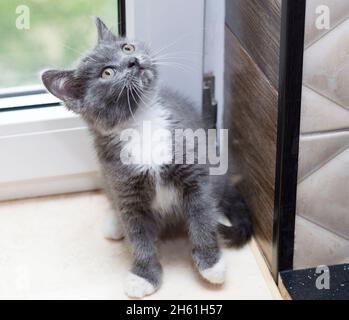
(251, 116)
(256, 23)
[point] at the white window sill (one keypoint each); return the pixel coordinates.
(33, 120)
(39, 153)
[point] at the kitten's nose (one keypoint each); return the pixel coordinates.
(133, 62)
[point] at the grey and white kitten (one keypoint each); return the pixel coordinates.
(115, 87)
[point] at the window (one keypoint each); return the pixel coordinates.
(48, 150)
(36, 142)
(36, 34)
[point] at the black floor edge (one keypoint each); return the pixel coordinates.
(322, 283)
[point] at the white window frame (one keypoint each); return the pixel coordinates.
(214, 50)
(45, 151)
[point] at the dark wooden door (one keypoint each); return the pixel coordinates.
(263, 74)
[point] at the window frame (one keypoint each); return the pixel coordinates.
(18, 98)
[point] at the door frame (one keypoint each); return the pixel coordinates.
(177, 27)
(289, 116)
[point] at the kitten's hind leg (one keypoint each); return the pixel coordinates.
(203, 234)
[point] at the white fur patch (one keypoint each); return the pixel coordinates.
(166, 197)
(137, 287)
(154, 118)
(112, 228)
(215, 274)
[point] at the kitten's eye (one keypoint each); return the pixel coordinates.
(108, 73)
(128, 48)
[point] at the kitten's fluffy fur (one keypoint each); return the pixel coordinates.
(148, 199)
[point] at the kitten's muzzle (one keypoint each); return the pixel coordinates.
(134, 63)
(143, 71)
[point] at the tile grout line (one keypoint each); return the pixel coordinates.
(318, 225)
(337, 25)
(321, 165)
(325, 132)
(308, 86)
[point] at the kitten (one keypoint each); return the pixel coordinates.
(115, 88)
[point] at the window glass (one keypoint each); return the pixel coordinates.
(38, 34)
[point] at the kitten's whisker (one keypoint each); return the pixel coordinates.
(173, 43)
(169, 63)
(173, 57)
(133, 97)
(192, 61)
(129, 104)
(122, 90)
(193, 66)
(139, 94)
(175, 54)
(174, 65)
(143, 92)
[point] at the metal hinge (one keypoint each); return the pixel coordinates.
(209, 101)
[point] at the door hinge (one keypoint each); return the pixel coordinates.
(209, 109)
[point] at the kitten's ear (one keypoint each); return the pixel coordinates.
(64, 86)
(104, 34)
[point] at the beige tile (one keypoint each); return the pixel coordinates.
(323, 196)
(339, 11)
(315, 246)
(316, 150)
(322, 237)
(320, 114)
(326, 65)
(53, 248)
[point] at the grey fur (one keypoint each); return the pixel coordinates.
(106, 107)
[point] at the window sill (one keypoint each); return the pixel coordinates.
(33, 120)
(37, 151)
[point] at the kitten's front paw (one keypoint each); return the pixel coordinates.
(215, 274)
(138, 287)
(112, 228)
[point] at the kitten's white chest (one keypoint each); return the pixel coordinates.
(150, 147)
(147, 138)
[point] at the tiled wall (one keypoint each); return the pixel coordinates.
(322, 225)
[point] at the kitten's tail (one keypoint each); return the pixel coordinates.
(240, 230)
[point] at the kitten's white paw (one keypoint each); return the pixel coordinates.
(215, 274)
(112, 228)
(137, 287)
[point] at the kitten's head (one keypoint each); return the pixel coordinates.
(109, 83)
